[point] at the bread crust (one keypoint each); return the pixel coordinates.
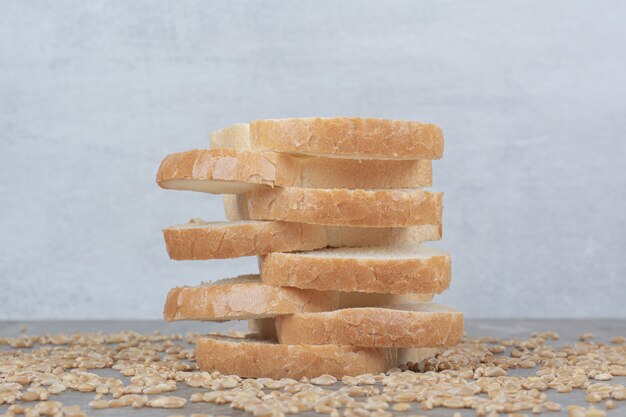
(341, 207)
(346, 236)
(418, 325)
(242, 298)
(321, 172)
(363, 270)
(236, 209)
(194, 170)
(349, 136)
(266, 328)
(249, 358)
(261, 168)
(218, 240)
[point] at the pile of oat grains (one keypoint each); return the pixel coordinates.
(478, 374)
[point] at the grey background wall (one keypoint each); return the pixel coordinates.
(531, 96)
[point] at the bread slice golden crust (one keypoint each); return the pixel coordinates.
(241, 298)
(266, 327)
(349, 136)
(341, 207)
(423, 325)
(218, 240)
(396, 269)
(227, 171)
(236, 209)
(255, 358)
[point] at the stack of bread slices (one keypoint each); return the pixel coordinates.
(336, 211)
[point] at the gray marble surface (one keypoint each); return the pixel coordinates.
(568, 330)
(93, 94)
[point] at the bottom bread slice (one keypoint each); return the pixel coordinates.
(252, 357)
(410, 325)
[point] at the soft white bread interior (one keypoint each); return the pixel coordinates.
(345, 137)
(252, 357)
(211, 186)
(414, 356)
(241, 298)
(235, 136)
(399, 269)
(373, 299)
(412, 325)
(198, 240)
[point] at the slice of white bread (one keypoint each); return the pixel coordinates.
(217, 240)
(252, 357)
(227, 171)
(266, 327)
(241, 298)
(346, 137)
(399, 269)
(200, 240)
(343, 207)
(411, 325)
(245, 298)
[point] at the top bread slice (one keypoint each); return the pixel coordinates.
(229, 171)
(420, 325)
(345, 137)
